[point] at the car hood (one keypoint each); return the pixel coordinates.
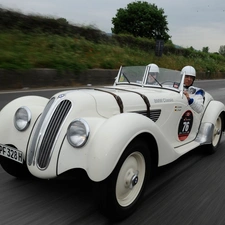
(109, 101)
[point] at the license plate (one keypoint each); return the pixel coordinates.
(11, 153)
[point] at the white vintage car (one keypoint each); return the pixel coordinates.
(117, 134)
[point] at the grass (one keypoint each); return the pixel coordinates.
(26, 51)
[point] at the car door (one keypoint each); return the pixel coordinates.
(178, 121)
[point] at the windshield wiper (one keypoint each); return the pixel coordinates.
(126, 77)
(156, 81)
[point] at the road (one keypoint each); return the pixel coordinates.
(189, 191)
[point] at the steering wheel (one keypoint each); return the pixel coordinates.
(167, 81)
(173, 84)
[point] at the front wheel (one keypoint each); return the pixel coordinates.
(217, 134)
(121, 191)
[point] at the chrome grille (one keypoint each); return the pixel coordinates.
(43, 115)
(45, 150)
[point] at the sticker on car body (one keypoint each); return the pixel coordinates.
(185, 125)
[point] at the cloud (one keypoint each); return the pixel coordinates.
(199, 37)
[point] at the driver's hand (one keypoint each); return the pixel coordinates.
(187, 95)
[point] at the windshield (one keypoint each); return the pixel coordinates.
(142, 76)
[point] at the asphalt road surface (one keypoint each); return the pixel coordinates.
(190, 191)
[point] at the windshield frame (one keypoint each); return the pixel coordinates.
(138, 76)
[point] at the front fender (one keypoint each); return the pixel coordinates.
(113, 137)
(8, 133)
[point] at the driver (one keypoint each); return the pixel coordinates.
(152, 74)
(194, 95)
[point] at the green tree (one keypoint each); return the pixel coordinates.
(141, 19)
(205, 49)
(62, 21)
(222, 50)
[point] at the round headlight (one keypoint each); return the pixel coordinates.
(22, 118)
(78, 132)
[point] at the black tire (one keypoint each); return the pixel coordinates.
(122, 190)
(15, 169)
(217, 134)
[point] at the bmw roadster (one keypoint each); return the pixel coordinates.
(117, 134)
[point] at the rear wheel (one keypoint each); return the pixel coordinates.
(121, 191)
(217, 133)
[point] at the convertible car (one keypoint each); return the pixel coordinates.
(118, 135)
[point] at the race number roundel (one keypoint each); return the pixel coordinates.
(185, 125)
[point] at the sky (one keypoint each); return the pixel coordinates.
(191, 23)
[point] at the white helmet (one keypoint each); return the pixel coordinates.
(153, 68)
(189, 70)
